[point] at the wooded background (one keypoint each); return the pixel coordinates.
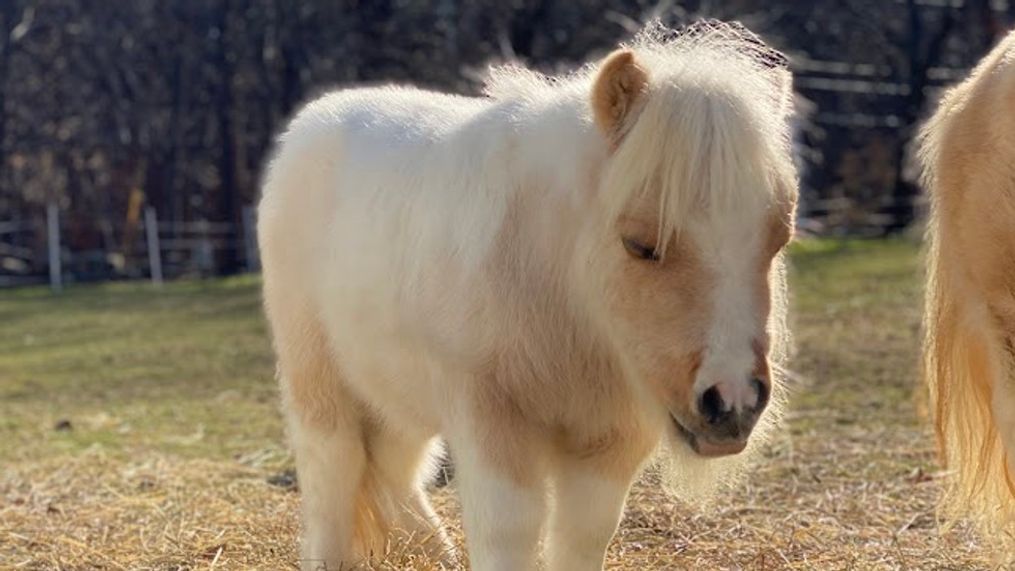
(110, 109)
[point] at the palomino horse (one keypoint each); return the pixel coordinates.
(556, 278)
(968, 150)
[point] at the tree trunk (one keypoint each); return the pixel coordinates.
(919, 62)
(8, 11)
(228, 195)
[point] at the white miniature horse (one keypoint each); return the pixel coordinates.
(968, 149)
(555, 278)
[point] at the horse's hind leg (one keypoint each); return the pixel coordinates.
(325, 432)
(329, 463)
(398, 465)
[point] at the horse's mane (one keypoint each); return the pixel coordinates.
(731, 39)
(713, 132)
(721, 141)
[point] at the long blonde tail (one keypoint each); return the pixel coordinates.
(963, 361)
(372, 517)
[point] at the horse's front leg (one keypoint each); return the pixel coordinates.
(501, 483)
(589, 495)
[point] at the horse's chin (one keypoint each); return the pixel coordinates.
(704, 446)
(693, 468)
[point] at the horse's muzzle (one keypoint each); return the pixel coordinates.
(705, 445)
(723, 429)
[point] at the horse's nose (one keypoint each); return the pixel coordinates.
(730, 409)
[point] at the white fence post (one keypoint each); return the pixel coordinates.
(251, 255)
(53, 235)
(151, 224)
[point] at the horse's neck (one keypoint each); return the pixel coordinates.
(543, 183)
(555, 165)
(530, 272)
(547, 344)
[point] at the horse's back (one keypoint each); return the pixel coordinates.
(391, 115)
(368, 128)
(356, 222)
(349, 149)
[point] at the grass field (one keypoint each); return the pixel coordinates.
(139, 430)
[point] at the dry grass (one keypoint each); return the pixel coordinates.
(93, 511)
(173, 473)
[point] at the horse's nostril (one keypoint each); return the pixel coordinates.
(711, 405)
(763, 393)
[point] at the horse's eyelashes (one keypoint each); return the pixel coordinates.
(640, 251)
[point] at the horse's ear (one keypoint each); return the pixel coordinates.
(620, 82)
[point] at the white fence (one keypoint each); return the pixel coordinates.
(48, 248)
(43, 249)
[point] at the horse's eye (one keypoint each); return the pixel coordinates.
(640, 251)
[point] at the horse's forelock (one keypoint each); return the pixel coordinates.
(707, 136)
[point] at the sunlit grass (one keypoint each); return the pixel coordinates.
(186, 368)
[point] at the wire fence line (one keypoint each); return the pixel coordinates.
(56, 247)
